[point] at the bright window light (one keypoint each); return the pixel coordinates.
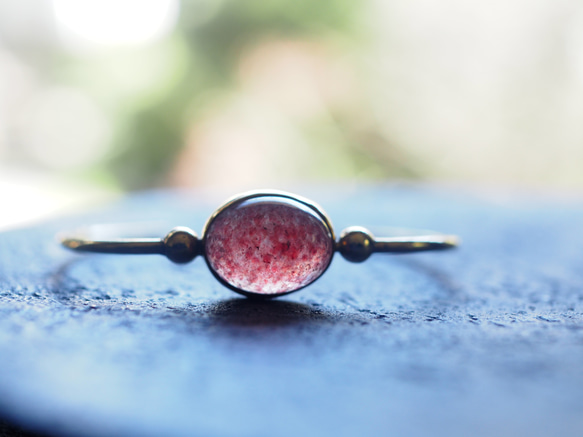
(114, 22)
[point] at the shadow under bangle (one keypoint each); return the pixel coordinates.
(266, 243)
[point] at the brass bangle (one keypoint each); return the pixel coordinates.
(266, 243)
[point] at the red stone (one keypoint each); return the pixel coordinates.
(268, 246)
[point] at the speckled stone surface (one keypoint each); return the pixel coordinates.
(268, 246)
(486, 340)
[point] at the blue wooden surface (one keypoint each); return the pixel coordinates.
(485, 340)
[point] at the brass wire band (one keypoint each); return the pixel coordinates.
(414, 243)
(144, 246)
(128, 246)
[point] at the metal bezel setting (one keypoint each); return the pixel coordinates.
(237, 200)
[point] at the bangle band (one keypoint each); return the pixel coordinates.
(266, 243)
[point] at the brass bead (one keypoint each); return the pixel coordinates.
(356, 244)
(181, 245)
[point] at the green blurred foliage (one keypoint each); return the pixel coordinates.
(153, 94)
(152, 134)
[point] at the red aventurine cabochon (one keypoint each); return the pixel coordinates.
(268, 246)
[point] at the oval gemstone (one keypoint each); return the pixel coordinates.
(268, 245)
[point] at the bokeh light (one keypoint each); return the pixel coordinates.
(113, 23)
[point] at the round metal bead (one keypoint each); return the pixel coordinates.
(356, 244)
(181, 245)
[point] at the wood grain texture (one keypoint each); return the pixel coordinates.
(485, 340)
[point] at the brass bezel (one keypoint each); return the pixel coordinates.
(267, 194)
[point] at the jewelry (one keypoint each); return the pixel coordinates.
(266, 243)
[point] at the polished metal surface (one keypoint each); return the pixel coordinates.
(356, 243)
(120, 246)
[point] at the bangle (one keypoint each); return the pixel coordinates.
(266, 243)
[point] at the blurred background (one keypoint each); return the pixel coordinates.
(101, 97)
